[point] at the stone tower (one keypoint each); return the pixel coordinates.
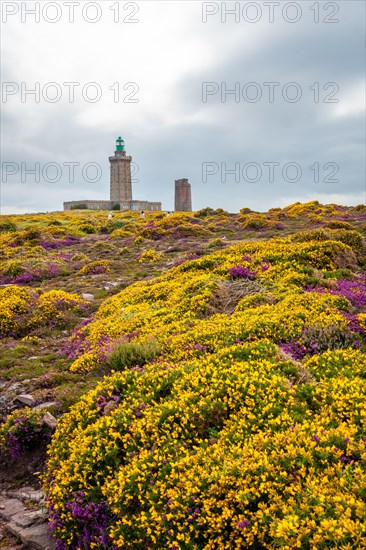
(121, 188)
(183, 199)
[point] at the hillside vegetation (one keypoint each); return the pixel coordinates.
(210, 394)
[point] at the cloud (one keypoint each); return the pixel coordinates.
(170, 131)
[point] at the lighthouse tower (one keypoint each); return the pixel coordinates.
(120, 163)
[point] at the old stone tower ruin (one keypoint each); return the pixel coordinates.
(183, 199)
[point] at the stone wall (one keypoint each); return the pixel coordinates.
(89, 205)
(144, 205)
(108, 205)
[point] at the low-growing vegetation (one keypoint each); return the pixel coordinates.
(207, 372)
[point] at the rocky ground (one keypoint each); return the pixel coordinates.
(24, 520)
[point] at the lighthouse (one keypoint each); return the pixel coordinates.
(120, 187)
(120, 174)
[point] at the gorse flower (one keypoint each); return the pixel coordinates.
(214, 437)
(234, 412)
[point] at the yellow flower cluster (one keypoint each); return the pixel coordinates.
(14, 302)
(150, 255)
(219, 451)
(98, 266)
(53, 304)
(179, 302)
(22, 309)
(12, 268)
(223, 441)
(310, 209)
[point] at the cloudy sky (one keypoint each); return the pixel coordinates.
(258, 104)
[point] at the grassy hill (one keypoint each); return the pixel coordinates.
(207, 372)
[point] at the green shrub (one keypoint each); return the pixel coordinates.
(256, 223)
(55, 230)
(102, 246)
(7, 227)
(124, 250)
(335, 224)
(153, 233)
(94, 268)
(87, 228)
(204, 212)
(150, 255)
(12, 268)
(80, 257)
(359, 208)
(216, 243)
(244, 211)
(208, 212)
(337, 274)
(33, 234)
(129, 354)
(112, 226)
(354, 239)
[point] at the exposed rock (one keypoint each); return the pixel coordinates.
(25, 519)
(8, 394)
(17, 387)
(46, 405)
(49, 420)
(31, 526)
(87, 296)
(9, 507)
(35, 537)
(26, 493)
(26, 399)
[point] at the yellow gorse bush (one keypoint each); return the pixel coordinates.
(22, 309)
(14, 302)
(176, 302)
(98, 266)
(223, 441)
(150, 255)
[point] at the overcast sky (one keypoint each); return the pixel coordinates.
(292, 128)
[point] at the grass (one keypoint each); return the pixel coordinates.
(133, 354)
